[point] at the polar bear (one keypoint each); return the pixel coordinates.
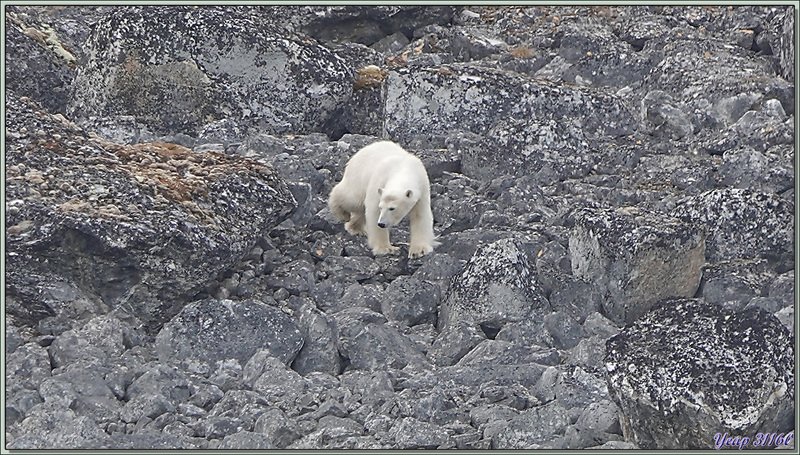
(383, 183)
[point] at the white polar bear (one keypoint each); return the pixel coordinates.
(383, 183)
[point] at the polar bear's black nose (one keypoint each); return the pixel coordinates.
(381, 225)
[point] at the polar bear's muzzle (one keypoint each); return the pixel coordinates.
(386, 218)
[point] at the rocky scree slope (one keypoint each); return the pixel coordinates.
(613, 188)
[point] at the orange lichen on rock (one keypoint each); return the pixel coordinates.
(369, 77)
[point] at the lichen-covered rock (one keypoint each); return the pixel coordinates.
(533, 429)
(498, 352)
(319, 351)
(410, 433)
(98, 340)
(636, 260)
(488, 103)
(181, 69)
(734, 284)
(689, 369)
(146, 226)
(411, 301)
(35, 48)
(497, 286)
(54, 426)
(26, 368)
(246, 440)
(212, 331)
(453, 342)
(743, 224)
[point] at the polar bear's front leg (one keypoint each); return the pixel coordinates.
(423, 239)
(356, 224)
(377, 237)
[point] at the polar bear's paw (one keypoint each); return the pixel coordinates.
(382, 250)
(417, 251)
(355, 227)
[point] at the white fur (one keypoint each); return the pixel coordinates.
(383, 183)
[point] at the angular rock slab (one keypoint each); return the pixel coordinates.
(743, 224)
(144, 226)
(177, 69)
(210, 331)
(497, 286)
(688, 370)
(636, 260)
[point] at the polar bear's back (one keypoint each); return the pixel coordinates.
(378, 152)
(379, 160)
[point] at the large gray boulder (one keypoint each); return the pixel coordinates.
(54, 426)
(143, 227)
(368, 343)
(533, 429)
(527, 119)
(689, 369)
(743, 224)
(636, 259)
(497, 286)
(183, 69)
(211, 331)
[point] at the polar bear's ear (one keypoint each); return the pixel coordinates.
(409, 193)
(380, 191)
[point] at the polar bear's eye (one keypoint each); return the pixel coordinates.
(391, 208)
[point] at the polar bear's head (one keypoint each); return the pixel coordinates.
(395, 206)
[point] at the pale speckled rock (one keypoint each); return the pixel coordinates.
(246, 440)
(378, 346)
(331, 433)
(84, 391)
(743, 224)
(245, 406)
(473, 376)
(533, 429)
(181, 68)
(280, 385)
(636, 259)
(171, 383)
(53, 426)
(319, 352)
(26, 368)
(210, 331)
(453, 342)
(497, 286)
(498, 352)
(411, 301)
(689, 369)
(410, 433)
(97, 340)
(280, 430)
